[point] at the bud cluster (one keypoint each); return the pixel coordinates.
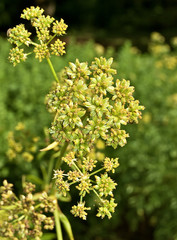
(20, 149)
(81, 174)
(89, 105)
(47, 28)
(24, 217)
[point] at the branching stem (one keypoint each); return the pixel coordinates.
(99, 170)
(52, 69)
(62, 152)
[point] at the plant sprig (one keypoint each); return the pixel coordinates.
(88, 105)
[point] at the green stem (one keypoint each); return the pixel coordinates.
(19, 219)
(58, 224)
(33, 43)
(50, 168)
(101, 200)
(52, 69)
(63, 150)
(76, 167)
(99, 170)
(52, 38)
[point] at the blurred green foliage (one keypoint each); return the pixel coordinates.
(148, 166)
(23, 90)
(148, 163)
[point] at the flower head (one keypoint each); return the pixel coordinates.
(32, 12)
(17, 55)
(80, 210)
(59, 28)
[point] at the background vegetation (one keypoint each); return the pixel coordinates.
(148, 163)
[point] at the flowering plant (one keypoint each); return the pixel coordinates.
(88, 105)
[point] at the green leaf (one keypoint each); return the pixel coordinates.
(34, 179)
(61, 198)
(67, 226)
(48, 236)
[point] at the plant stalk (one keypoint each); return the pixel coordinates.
(63, 150)
(58, 224)
(52, 69)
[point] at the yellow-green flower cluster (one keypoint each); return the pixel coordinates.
(110, 164)
(90, 105)
(62, 185)
(17, 55)
(58, 48)
(31, 13)
(105, 185)
(47, 29)
(82, 175)
(107, 208)
(23, 217)
(84, 112)
(41, 51)
(19, 35)
(79, 210)
(59, 28)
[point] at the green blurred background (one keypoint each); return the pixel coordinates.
(147, 176)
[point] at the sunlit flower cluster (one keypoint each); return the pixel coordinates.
(83, 110)
(89, 105)
(47, 31)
